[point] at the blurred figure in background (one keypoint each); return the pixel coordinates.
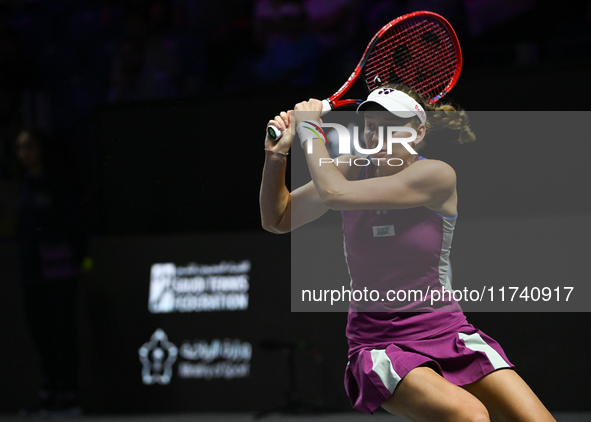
(51, 246)
(20, 80)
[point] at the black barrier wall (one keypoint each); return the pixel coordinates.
(210, 335)
(237, 359)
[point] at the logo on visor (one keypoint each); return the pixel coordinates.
(386, 91)
(421, 111)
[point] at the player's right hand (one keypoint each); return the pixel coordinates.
(282, 122)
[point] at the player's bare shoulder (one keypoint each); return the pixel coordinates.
(433, 172)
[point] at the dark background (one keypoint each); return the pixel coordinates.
(173, 176)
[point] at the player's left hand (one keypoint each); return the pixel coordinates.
(307, 110)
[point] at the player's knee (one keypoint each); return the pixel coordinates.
(479, 417)
(472, 412)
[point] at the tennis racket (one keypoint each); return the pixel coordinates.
(419, 50)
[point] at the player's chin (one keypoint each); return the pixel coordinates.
(385, 159)
(382, 155)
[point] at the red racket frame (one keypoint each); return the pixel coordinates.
(335, 99)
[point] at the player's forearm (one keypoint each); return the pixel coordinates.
(329, 181)
(274, 197)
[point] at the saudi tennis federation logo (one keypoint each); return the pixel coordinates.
(157, 357)
(162, 293)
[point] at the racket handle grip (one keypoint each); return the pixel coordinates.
(326, 107)
(275, 133)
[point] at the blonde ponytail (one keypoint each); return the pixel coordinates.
(445, 116)
(440, 116)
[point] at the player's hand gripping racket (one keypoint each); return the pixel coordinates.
(419, 50)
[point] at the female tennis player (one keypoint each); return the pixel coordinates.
(421, 361)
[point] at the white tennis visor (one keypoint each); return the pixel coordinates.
(396, 102)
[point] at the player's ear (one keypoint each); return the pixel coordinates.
(421, 132)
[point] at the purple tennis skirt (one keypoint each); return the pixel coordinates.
(460, 353)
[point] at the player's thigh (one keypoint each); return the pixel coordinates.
(508, 398)
(424, 395)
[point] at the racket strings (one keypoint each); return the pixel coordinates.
(425, 64)
(419, 54)
(413, 43)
